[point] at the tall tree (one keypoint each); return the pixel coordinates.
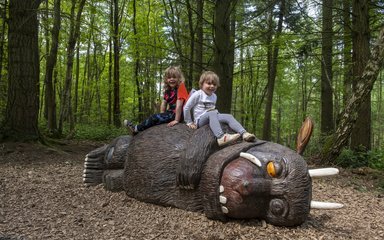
(199, 42)
(192, 33)
(137, 63)
(116, 65)
(21, 120)
(110, 63)
(273, 52)
(74, 32)
(223, 52)
(363, 89)
(326, 70)
(3, 15)
(347, 55)
(361, 135)
(50, 94)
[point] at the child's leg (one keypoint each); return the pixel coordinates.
(236, 126)
(156, 119)
(232, 122)
(214, 124)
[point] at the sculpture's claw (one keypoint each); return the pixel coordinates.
(104, 158)
(94, 166)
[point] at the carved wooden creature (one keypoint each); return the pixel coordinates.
(186, 169)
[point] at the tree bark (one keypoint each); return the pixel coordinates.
(65, 108)
(110, 64)
(361, 134)
(327, 125)
(347, 56)
(2, 38)
(223, 65)
(192, 33)
(363, 89)
(116, 66)
(21, 120)
(272, 72)
(199, 43)
(137, 65)
(50, 95)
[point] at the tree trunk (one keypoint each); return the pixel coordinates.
(347, 56)
(65, 108)
(110, 64)
(21, 120)
(137, 65)
(192, 50)
(363, 89)
(223, 49)
(50, 96)
(77, 79)
(2, 39)
(199, 43)
(272, 72)
(116, 66)
(361, 134)
(326, 70)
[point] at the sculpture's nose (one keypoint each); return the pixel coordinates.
(254, 187)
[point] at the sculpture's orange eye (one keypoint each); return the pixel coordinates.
(275, 169)
(271, 169)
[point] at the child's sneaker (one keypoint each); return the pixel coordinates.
(130, 126)
(249, 137)
(227, 138)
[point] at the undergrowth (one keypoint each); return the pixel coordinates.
(90, 132)
(355, 159)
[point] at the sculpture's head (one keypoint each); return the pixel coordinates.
(269, 182)
(272, 186)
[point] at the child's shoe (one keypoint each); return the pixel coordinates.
(130, 126)
(227, 138)
(249, 137)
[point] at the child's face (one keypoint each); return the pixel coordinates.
(209, 87)
(172, 81)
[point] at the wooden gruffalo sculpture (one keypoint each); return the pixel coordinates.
(186, 169)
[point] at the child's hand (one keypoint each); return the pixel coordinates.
(173, 123)
(192, 125)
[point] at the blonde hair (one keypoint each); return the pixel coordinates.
(175, 72)
(209, 77)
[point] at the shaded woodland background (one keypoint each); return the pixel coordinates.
(67, 65)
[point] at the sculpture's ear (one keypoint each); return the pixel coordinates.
(304, 135)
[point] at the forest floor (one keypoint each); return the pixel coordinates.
(42, 197)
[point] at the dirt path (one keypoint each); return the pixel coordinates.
(42, 197)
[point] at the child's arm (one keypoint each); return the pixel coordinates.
(163, 106)
(192, 101)
(178, 111)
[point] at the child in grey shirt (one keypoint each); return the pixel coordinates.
(203, 103)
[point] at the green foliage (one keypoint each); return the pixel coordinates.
(87, 132)
(98, 132)
(354, 159)
(376, 159)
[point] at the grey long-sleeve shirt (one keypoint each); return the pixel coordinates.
(198, 103)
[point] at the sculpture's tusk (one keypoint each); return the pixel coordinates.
(323, 172)
(251, 158)
(325, 205)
